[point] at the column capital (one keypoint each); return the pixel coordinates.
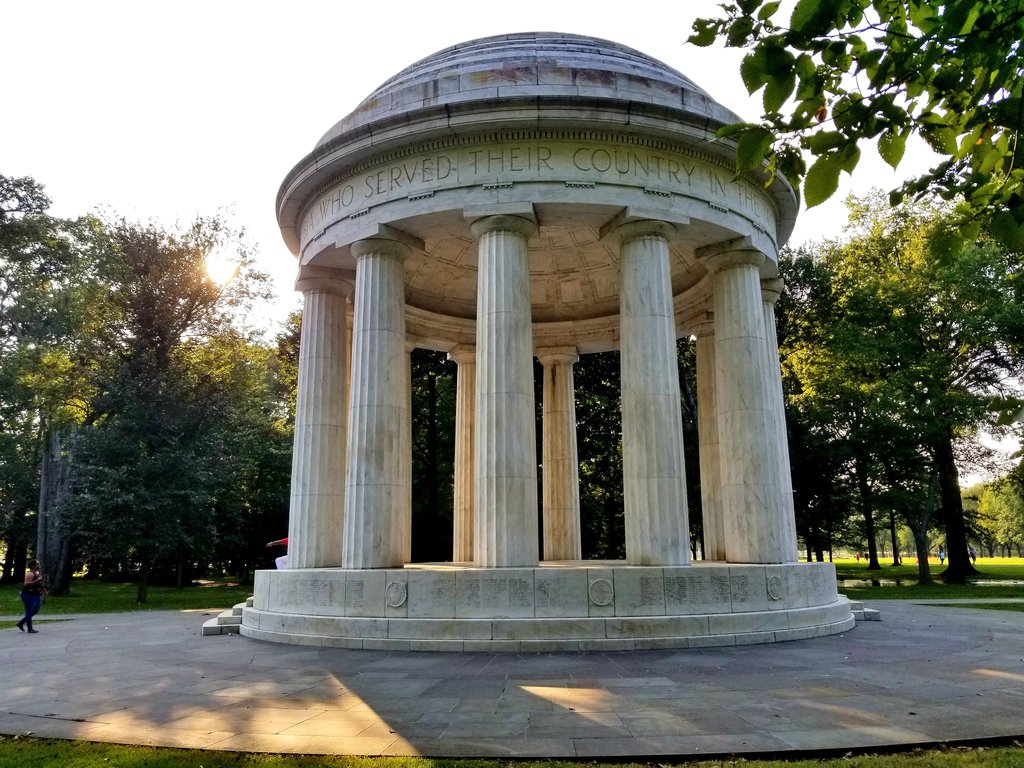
(555, 355)
(380, 246)
(634, 230)
(462, 354)
(325, 280)
(771, 289)
(739, 252)
(703, 325)
(499, 223)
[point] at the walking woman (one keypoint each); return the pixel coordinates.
(32, 592)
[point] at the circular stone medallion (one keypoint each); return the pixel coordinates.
(395, 594)
(601, 592)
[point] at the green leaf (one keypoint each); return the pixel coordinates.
(891, 146)
(754, 69)
(822, 180)
(778, 90)
(768, 10)
(748, 6)
(1006, 230)
(812, 18)
(704, 33)
(733, 128)
(753, 145)
(849, 156)
(739, 30)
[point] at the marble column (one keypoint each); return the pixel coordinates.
(560, 462)
(407, 455)
(317, 502)
(465, 394)
(654, 481)
(707, 438)
(375, 487)
(755, 531)
(505, 477)
(770, 291)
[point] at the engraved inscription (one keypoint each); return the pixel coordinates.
(315, 592)
(472, 593)
(651, 591)
(355, 593)
(741, 588)
(720, 588)
(568, 163)
(442, 591)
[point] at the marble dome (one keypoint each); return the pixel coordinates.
(567, 130)
(546, 66)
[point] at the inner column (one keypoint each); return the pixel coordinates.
(562, 539)
(771, 289)
(317, 500)
(462, 518)
(755, 530)
(505, 529)
(707, 437)
(375, 488)
(654, 483)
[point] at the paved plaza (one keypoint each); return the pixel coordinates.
(925, 674)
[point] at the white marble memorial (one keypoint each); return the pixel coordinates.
(538, 196)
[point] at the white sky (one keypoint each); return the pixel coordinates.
(168, 110)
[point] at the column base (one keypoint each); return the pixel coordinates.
(565, 606)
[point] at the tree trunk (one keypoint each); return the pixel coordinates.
(53, 537)
(896, 559)
(864, 489)
(952, 513)
(142, 593)
(924, 570)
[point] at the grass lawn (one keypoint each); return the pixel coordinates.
(39, 753)
(91, 596)
(900, 582)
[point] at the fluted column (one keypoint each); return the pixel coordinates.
(375, 488)
(707, 437)
(770, 291)
(465, 395)
(407, 456)
(654, 482)
(505, 526)
(562, 540)
(754, 529)
(317, 502)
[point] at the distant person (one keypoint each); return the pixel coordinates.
(282, 561)
(32, 591)
(857, 555)
(942, 556)
(974, 555)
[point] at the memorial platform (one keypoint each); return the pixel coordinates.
(561, 606)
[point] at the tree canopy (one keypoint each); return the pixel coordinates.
(838, 73)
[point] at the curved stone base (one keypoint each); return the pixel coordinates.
(567, 606)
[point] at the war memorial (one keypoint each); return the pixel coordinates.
(538, 196)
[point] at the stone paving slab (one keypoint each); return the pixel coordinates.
(925, 674)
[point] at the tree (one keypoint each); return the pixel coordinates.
(50, 299)
(909, 351)
(152, 450)
(842, 72)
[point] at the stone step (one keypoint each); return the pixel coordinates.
(237, 609)
(860, 613)
(228, 618)
(214, 627)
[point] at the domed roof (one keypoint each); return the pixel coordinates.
(541, 65)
